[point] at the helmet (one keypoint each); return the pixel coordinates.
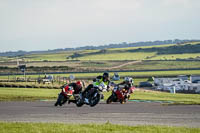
(79, 83)
(106, 75)
(128, 79)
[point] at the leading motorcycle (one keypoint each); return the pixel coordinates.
(91, 97)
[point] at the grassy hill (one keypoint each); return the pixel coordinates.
(167, 52)
(169, 56)
(157, 52)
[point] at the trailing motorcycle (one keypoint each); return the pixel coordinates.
(91, 97)
(119, 94)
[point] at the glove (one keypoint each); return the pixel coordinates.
(103, 85)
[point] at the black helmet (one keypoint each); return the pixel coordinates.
(106, 74)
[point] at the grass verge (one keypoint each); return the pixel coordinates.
(177, 98)
(19, 127)
(31, 94)
(131, 74)
(27, 94)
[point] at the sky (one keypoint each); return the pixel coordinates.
(50, 24)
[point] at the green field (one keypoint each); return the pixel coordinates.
(2, 58)
(27, 94)
(166, 52)
(31, 94)
(130, 53)
(148, 65)
(118, 56)
(21, 127)
(48, 57)
(95, 66)
(175, 56)
(131, 74)
(131, 48)
(138, 56)
(98, 64)
(164, 96)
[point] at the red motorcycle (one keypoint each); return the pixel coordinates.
(119, 94)
(64, 96)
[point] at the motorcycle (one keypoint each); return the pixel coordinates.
(119, 94)
(92, 97)
(64, 96)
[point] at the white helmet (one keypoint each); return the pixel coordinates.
(128, 79)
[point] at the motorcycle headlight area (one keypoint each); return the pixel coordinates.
(115, 89)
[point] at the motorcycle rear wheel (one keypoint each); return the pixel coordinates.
(56, 104)
(59, 100)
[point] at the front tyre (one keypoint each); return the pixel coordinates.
(94, 100)
(79, 102)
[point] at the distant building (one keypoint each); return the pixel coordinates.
(179, 84)
(195, 79)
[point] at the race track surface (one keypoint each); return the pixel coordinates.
(131, 113)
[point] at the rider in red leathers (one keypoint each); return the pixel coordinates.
(67, 91)
(127, 89)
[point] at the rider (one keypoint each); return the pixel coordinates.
(128, 83)
(102, 80)
(77, 87)
(72, 88)
(127, 86)
(98, 81)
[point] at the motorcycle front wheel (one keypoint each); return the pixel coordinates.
(94, 100)
(79, 102)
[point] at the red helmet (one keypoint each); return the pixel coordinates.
(79, 83)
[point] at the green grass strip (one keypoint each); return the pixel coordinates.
(177, 98)
(19, 127)
(27, 94)
(31, 94)
(132, 74)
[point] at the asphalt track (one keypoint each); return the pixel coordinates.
(131, 113)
